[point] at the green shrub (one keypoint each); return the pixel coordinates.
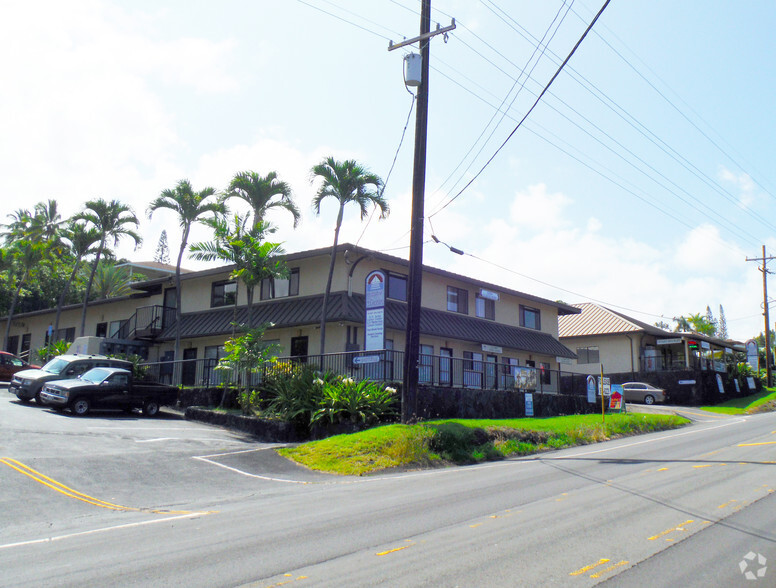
(345, 400)
(293, 394)
(52, 350)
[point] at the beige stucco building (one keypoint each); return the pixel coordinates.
(472, 333)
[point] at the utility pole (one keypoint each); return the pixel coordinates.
(764, 269)
(409, 404)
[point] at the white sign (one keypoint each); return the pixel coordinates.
(752, 354)
(374, 319)
(669, 341)
(750, 382)
(591, 389)
(688, 382)
(488, 295)
(366, 359)
(375, 289)
(705, 345)
(607, 386)
(720, 385)
(529, 410)
(564, 360)
(492, 348)
(374, 329)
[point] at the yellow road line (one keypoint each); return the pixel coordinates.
(609, 569)
(753, 444)
(729, 502)
(662, 469)
(588, 568)
(62, 489)
(395, 549)
(679, 527)
(706, 465)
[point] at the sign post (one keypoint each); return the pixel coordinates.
(374, 321)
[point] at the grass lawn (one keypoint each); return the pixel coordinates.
(459, 441)
(746, 404)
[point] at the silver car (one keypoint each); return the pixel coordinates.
(643, 392)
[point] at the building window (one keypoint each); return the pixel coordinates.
(397, 287)
(65, 335)
(13, 344)
(426, 364)
(457, 300)
(114, 329)
(281, 287)
(102, 330)
(223, 294)
(530, 318)
(587, 355)
(485, 308)
(445, 366)
(472, 369)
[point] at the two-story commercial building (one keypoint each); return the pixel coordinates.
(472, 333)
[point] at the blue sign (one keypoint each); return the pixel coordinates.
(529, 410)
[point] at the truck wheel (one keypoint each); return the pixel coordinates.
(38, 399)
(23, 399)
(150, 408)
(80, 407)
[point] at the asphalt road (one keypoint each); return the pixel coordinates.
(112, 500)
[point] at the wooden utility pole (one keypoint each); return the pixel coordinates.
(409, 404)
(764, 269)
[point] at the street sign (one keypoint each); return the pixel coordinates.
(362, 359)
(607, 386)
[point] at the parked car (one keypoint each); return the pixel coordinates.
(10, 364)
(106, 387)
(643, 392)
(27, 384)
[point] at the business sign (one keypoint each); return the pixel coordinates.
(752, 354)
(669, 341)
(616, 398)
(750, 382)
(374, 319)
(720, 385)
(525, 378)
(529, 410)
(492, 348)
(705, 345)
(606, 386)
(686, 382)
(591, 389)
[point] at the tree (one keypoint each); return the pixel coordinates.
(346, 181)
(82, 242)
(191, 207)
(662, 325)
(254, 258)
(162, 254)
(262, 193)
(700, 324)
(722, 327)
(111, 281)
(25, 256)
(711, 320)
(113, 221)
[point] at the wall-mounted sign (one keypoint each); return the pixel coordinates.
(686, 382)
(720, 385)
(362, 359)
(488, 295)
(492, 348)
(374, 316)
(669, 341)
(705, 345)
(564, 360)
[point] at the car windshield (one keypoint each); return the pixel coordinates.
(55, 366)
(95, 375)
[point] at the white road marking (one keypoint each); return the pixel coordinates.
(101, 530)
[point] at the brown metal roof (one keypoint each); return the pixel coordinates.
(595, 320)
(292, 312)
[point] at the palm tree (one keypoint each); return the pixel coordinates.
(347, 181)
(19, 227)
(47, 223)
(82, 242)
(191, 207)
(254, 258)
(111, 280)
(112, 221)
(260, 193)
(26, 256)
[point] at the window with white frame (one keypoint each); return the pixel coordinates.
(281, 287)
(457, 300)
(530, 318)
(485, 307)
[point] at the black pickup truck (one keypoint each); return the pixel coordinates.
(107, 387)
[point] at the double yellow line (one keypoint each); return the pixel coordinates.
(62, 489)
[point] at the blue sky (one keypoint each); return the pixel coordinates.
(642, 179)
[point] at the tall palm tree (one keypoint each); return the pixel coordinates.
(112, 220)
(262, 193)
(25, 256)
(346, 181)
(254, 258)
(191, 207)
(19, 226)
(47, 223)
(82, 242)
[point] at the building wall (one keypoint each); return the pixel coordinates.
(614, 353)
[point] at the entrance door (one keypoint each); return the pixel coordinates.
(299, 348)
(189, 372)
(490, 371)
(25, 350)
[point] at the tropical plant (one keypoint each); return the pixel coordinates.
(113, 221)
(700, 324)
(246, 354)
(139, 369)
(254, 258)
(262, 193)
(346, 400)
(191, 207)
(294, 395)
(81, 243)
(345, 181)
(53, 349)
(25, 257)
(111, 280)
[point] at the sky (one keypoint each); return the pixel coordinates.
(642, 179)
